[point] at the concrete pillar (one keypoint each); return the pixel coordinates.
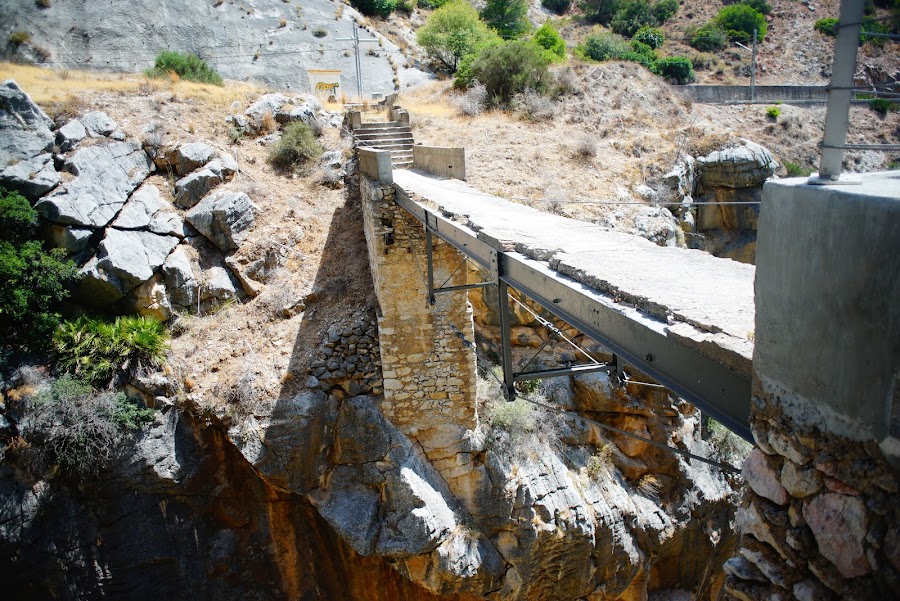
(820, 515)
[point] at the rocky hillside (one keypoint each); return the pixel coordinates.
(268, 41)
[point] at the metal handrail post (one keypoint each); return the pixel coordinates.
(837, 115)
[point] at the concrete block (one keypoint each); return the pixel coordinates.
(827, 311)
(376, 164)
(442, 161)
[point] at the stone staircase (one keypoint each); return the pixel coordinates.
(387, 135)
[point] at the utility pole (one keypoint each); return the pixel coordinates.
(356, 42)
(753, 70)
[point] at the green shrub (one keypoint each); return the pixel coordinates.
(739, 21)
(760, 6)
(374, 8)
(640, 53)
(601, 11)
(873, 26)
(604, 46)
(557, 6)
(187, 66)
(453, 32)
(518, 429)
(81, 430)
(772, 112)
(511, 68)
(34, 281)
(549, 39)
(796, 170)
(677, 68)
(883, 106)
(508, 17)
(708, 38)
(665, 10)
(17, 38)
(726, 445)
(98, 351)
(651, 36)
(828, 26)
(297, 146)
(631, 17)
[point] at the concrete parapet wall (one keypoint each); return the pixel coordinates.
(376, 165)
(440, 160)
(729, 94)
(820, 515)
(429, 374)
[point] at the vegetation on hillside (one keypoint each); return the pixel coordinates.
(34, 280)
(296, 147)
(78, 429)
(186, 66)
(100, 351)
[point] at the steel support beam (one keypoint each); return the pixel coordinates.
(429, 258)
(463, 287)
(634, 337)
(563, 371)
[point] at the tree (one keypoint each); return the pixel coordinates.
(601, 11)
(739, 21)
(452, 32)
(508, 17)
(549, 39)
(631, 17)
(34, 281)
(511, 68)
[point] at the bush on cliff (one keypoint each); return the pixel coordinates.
(297, 146)
(187, 66)
(98, 351)
(35, 281)
(78, 429)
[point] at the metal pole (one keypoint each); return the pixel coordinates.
(356, 42)
(837, 115)
(753, 70)
(509, 379)
(429, 254)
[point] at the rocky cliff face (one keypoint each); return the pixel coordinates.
(262, 40)
(316, 493)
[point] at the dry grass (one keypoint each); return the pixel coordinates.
(48, 86)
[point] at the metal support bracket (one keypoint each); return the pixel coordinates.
(563, 371)
(509, 378)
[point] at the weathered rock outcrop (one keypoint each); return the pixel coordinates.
(182, 514)
(105, 175)
(729, 181)
(26, 128)
(224, 218)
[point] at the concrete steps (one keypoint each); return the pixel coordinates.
(389, 135)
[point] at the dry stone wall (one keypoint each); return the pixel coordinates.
(428, 369)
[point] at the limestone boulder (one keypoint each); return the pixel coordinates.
(150, 299)
(194, 186)
(839, 523)
(32, 177)
(266, 104)
(762, 478)
(191, 156)
(98, 124)
(181, 283)
(742, 166)
(69, 135)
(219, 284)
(224, 218)
(148, 210)
(73, 239)
(124, 261)
(24, 127)
(106, 174)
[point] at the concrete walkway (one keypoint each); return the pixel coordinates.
(704, 301)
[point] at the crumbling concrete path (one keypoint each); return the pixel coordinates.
(704, 301)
